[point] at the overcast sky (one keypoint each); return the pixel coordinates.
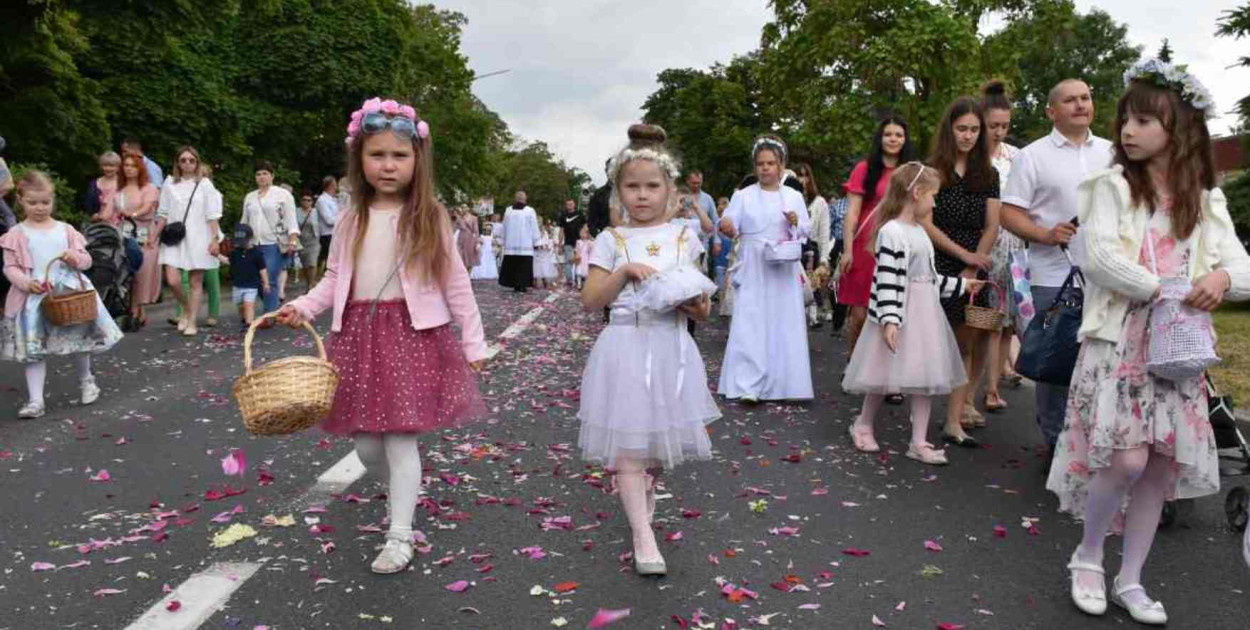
(581, 69)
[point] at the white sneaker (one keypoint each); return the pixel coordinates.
(31, 410)
(90, 391)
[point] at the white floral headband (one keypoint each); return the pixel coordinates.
(1173, 77)
(661, 159)
(769, 143)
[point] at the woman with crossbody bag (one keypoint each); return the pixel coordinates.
(188, 233)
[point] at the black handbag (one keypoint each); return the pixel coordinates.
(1050, 348)
(176, 231)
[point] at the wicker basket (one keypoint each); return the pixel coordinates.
(287, 395)
(74, 307)
(985, 318)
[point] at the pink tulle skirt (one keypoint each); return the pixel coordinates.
(396, 379)
(927, 362)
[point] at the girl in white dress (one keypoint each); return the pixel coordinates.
(906, 346)
(190, 198)
(486, 268)
(645, 399)
(545, 258)
(767, 358)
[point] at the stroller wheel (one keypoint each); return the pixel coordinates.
(1237, 508)
(1168, 517)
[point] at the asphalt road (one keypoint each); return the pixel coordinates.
(820, 536)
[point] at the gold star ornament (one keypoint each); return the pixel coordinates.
(653, 249)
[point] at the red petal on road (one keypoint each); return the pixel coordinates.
(173, 606)
(566, 587)
(858, 553)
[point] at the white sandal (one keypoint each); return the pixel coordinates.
(1150, 613)
(1089, 601)
(395, 557)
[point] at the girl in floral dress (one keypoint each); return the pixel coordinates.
(1133, 440)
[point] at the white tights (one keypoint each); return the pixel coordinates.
(394, 458)
(1142, 475)
(921, 406)
(632, 488)
(37, 374)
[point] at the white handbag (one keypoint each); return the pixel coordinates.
(1182, 338)
(783, 251)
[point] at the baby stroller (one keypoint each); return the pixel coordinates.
(1234, 462)
(112, 267)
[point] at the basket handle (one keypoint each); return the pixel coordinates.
(82, 278)
(251, 333)
(1002, 293)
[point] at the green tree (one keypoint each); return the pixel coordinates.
(546, 180)
(712, 118)
(1235, 23)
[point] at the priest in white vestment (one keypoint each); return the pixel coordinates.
(767, 356)
(519, 233)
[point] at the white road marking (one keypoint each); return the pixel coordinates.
(202, 595)
(343, 474)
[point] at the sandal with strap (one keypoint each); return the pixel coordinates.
(394, 557)
(1089, 601)
(994, 403)
(926, 454)
(864, 441)
(1149, 613)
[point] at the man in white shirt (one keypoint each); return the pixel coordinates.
(1039, 205)
(327, 217)
(519, 234)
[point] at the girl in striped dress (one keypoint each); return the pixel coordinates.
(907, 346)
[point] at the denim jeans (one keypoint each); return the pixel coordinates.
(570, 268)
(1050, 401)
(275, 262)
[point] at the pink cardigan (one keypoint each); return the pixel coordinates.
(19, 267)
(429, 306)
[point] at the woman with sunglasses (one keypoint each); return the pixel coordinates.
(189, 198)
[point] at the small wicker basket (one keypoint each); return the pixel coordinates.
(288, 395)
(73, 307)
(985, 318)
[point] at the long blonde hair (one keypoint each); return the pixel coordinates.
(424, 227)
(905, 179)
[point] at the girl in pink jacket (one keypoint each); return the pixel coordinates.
(42, 254)
(395, 282)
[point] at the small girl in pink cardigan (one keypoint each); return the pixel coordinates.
(31, 249)
(395, 282)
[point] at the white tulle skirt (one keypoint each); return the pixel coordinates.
(927, 362)
(645, 394)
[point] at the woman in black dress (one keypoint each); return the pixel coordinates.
(963, 228)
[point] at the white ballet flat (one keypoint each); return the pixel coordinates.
(1151, 613)
(650, 568)
(1089, 601)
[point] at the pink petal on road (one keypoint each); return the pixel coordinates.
(173, 606)
(810, 607)
(102, 476)
(876, 621)
(458, 586)
(234, 464)
(1000, 531)
(950, 626)
(605, 617)
(108, 591)
(42, 566)
(932, 545)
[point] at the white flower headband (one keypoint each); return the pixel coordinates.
(661, 159)
(766, 142)
(1172, 77)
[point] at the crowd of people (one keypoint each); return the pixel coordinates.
(927, 261)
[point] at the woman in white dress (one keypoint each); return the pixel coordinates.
(190, 198)
(544, 258)
(767, 358)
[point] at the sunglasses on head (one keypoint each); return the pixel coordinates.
(378, 121)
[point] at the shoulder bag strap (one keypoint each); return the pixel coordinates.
(187, 213)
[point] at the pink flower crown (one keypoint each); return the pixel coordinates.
(390, 108)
